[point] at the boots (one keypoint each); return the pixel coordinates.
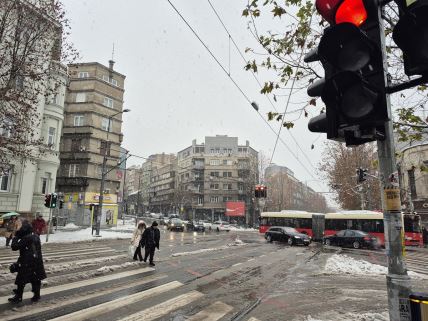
(36, 291)
(18, 295)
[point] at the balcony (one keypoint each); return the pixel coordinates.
(75, 155)
(72, 181)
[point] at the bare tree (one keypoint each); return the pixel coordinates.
(31, 44)
(339, 165)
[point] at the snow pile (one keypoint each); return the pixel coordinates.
(70, 226)
(111, 268)
(371, 316)
(236, 242)
(343, 264)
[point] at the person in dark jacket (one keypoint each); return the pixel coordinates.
(425, 236)
(150, 240)
(30, 262)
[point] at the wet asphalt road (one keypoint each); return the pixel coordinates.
(198, 276)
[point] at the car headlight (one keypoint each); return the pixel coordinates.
(172, 224)
(297, 237)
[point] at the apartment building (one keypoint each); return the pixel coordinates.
(214, 172)
(92, 129)
(163, 191)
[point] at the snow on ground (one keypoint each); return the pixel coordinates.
(343, 264)
(372, 316)
(236, 242)
(77, 236)
(70, 226)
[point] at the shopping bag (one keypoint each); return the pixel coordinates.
(131, 251)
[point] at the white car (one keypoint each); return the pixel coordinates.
(220, 226)
(155, 215)
(207, 225)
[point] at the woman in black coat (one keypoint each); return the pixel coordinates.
(30, 262)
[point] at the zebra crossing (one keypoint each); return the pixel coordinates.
(111, 288)
(417, 261)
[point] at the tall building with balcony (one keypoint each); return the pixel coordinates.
(92, 128)
(214, 172)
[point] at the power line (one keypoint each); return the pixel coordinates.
(236, 85)
(260, 85)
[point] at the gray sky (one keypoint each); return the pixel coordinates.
(175, 89)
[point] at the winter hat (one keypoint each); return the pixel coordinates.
(155, 223)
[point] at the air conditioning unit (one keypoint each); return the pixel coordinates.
(83, 148)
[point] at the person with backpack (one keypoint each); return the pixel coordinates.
(150, 240)
(30, 262)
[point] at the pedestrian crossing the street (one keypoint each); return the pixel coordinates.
(122, 290)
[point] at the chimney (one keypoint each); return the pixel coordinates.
(111, 64)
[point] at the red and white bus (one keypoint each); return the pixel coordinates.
(316, 225)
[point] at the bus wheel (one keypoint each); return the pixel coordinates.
(327, 242)
(269, 238)
(290, 241)
(356, 245)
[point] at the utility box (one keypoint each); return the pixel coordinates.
(419, 306)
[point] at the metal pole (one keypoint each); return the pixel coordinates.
(50, 219)
(397, 280)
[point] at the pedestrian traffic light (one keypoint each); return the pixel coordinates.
(48, 200)
(353, 87)
(411, 36)
(257, 191)
(263, 191)
(361, 175)
(54, 200)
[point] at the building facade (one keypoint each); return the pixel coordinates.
(286, 192)
(214, 172)
(92, 129)
(413, 165)
(25, 181)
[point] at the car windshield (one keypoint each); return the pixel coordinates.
(176, 221)
(290, 230)
(361, 233)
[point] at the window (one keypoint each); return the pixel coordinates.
(227, 174)
(5, 128)
(76, 145)
(200, 200)
(227, 198)
(4, 181)
(44, 188)
(79, 120)
(51, 136)
(214, 186)
(105, 124)
(227, 186)
(108, 102)
(412, 183)
(214, 199)
(214, 162)
(215, 174)
(73, 170)
(80, 97)
(83, 74)
(110, 80)
(227, 162)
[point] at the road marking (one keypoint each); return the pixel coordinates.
(253, 319)
(251, 260)
(162, 309)
(13, 259)
(68, 251)
(78, 284)
(237, 264)
(262, 255)
(118, 303)
(214, 312)
(64, 302)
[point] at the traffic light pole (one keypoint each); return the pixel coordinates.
(50, 219)
(397, 280)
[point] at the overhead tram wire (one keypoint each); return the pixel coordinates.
(237, 86)
(260, 85)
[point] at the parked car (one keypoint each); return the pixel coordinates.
(175, 224)
(207, 224)
(155, 215)
(352, 238)
(220, 226)
(287, 234)
(173, 215)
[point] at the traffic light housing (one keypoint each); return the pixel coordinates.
(361, 175)
(54, 200)
(353, 88)
(260, 191)
(411, 36)
(48, 200)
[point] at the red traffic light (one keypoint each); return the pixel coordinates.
(339, 11)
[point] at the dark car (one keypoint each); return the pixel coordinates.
(352, 238)
(175, 224)
(287, 234)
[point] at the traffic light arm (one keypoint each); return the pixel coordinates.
(406, 85)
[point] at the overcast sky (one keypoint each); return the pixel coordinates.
(175, 89)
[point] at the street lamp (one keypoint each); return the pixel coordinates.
(103, 173)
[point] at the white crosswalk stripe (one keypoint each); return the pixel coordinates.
(164, 308)
(253, 319)
(113, 305)
(214, 312)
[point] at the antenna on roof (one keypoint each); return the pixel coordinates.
(111, 62)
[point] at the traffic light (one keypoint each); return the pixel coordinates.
(361, 175)
(257, 191)
(411, 36)
(260, 191)
(353, 87)
(54, 200)
(48, 200)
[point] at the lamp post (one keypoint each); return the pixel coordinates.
(103, 173)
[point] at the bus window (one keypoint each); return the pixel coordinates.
(412, 224)
(264, 221)
(333, 224)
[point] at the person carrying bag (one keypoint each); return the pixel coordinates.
(135, 247)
